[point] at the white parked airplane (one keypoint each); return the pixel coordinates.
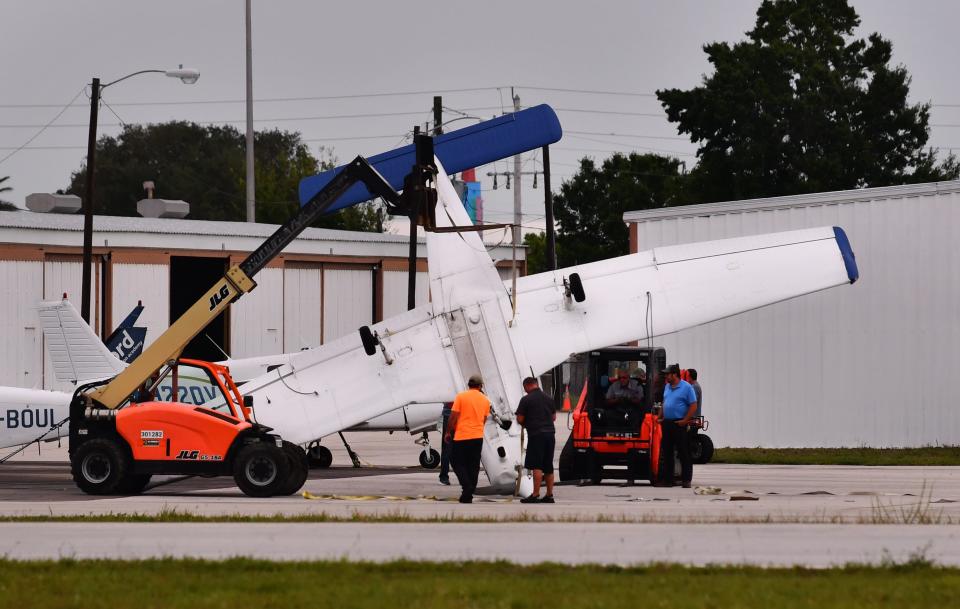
(473, 324)
(78, 356)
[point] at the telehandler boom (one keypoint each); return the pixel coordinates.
(120, 434)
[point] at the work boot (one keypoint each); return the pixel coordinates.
(530, 499)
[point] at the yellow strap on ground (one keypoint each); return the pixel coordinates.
(309, 495)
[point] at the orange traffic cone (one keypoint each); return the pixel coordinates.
(566, 398)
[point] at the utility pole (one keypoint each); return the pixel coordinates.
(251, 186)
(88, 202)
(548, 212)
(437, 115)
(517, 166)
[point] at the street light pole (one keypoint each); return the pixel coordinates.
(187, 76)
(251, 186)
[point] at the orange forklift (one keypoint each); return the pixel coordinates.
(620, 438)
(616, 438)
(121, 434)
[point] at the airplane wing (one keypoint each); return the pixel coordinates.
(667, 289)
(337, 385)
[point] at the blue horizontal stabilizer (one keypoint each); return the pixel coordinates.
(472, 146)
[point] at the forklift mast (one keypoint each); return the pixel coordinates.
(237, 281)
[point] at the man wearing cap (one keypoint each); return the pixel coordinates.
(536, 413)
(467, 417)
(679, 406)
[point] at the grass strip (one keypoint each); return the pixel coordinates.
(197, 584)
(927, 455)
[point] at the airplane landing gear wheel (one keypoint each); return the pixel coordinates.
(429, 460)
(319, 456)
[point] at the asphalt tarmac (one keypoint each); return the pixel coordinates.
(783, 515)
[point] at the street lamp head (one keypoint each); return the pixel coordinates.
(186, 75)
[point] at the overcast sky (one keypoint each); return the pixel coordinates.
(52, 48)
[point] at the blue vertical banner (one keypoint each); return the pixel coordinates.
(473, 201)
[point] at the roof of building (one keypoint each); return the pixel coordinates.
(43, 229)
(819, 198)
(121, 224)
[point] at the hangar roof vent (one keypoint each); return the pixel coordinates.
(162, 208)
(48, 203)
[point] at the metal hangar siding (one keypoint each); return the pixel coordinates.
(326, 284)
(870, 365)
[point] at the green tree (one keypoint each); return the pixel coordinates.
(536, 252)
(5, 205)
(206, 166)
(803, 106)
(589, 207)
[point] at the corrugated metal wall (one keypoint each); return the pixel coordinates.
(21, 361)
(302, 306)
(863, 365)
(395, 292)
(256, 320)
(347, 301)
(147, 283)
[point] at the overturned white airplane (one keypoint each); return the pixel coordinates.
(475, 325)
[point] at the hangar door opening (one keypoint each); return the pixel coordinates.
(190, 278)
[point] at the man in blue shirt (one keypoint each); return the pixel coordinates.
(679, 407)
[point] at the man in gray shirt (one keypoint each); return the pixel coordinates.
(696, 388)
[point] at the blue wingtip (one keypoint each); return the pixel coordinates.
(849, 260)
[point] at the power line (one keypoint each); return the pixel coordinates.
(273, 99)
(44, 127)
(262, 120)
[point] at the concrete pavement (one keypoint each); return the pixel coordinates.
(524, 543)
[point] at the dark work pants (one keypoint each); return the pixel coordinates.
(466, 465)
(445, 448)
(675, 438)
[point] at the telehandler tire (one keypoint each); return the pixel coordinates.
(299, 468)
(261, 469)
(99, 466)
(133, 484)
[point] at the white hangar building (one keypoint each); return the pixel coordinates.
(870, 364)
(326, 284)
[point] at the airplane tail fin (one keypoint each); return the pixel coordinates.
(78, 355)
(127, 340)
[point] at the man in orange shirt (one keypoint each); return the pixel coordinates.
(467, 417)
